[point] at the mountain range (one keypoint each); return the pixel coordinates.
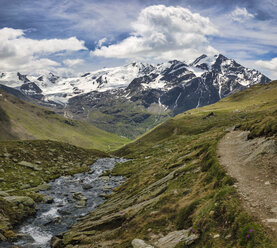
(132, 99)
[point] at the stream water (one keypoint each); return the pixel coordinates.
(73, 197)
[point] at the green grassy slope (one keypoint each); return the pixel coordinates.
(126, 119)
(176, 182)
(21, 120)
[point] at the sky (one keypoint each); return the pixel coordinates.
(70, 37)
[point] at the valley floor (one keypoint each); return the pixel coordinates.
(253, 163)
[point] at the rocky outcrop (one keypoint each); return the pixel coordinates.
(139, 243)
(173, 238)
(187, 237)
(20, 200)
(30, 165)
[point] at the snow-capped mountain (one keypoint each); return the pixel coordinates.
(172, 87)
(60, 90)
(226, 74)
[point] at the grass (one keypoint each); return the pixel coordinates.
(21, 120)
(175, 180)
(126, 119)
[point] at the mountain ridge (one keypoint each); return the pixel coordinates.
(158, 91)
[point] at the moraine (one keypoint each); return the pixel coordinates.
(73, 197)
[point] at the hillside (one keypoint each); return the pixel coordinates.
(177, 193)
(21, 120)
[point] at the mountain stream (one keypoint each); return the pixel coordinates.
(73, 197)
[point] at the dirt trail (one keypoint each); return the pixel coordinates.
(254, 164)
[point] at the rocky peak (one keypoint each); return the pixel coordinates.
(196, 61)
(23, 78)
(52, 78)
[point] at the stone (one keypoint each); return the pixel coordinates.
(2, 237)
(271, 220)
(81, 204)
(2, 171)
(211, 213)
(41, 187)
(86, 186)
(25, 200)
(56, 243)
(25, 186)
(267, 183)
(103, 195)
(173, 238)
(228, 236)
(3, 194)
(29, 165)
(47, 199)
(79, 196)
(216, 236)
(274, 210)
(139, 243)
(7, 155)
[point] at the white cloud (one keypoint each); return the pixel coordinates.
(18, 53)
(73, 62)
(269, 66)
(241, 15)
(244, 40)
(162, 32)
(101, 42)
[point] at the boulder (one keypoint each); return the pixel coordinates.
(86, 186)
(3, 194)
(139, 243)
(24, 200)
(56, 243)
(30, 165)
(47, 199)
(173, 238)
(7, 155)
(41, 187)
(81, 204)
(79, 196)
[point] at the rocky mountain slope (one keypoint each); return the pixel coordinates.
(22, 120)
(177, 193)
(131, 99)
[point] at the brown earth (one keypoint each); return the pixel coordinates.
(253, 163)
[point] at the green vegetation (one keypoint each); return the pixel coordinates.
(21, 120)
(127, 119)
(175, 181)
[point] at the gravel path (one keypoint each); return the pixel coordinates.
(254, 164)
